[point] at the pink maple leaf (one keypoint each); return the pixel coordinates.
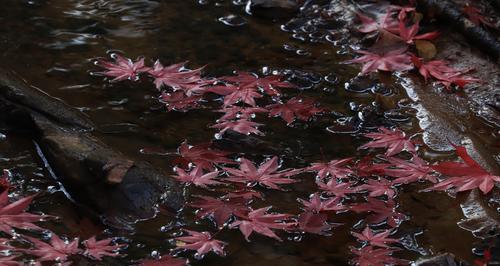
(377, 240)
(333, 169)
(267, 174)
(97, 249)
(220, 209)
(371, 256)
(268, 84)
(122, 68)
(464, 176)
(164, 260)
(179, 101)
(314, 223)
(196, 177)
(202, 156)
(242, 126)
(394, 141)
(384, 22)
(410, 34)
(409, 171)
(295, 108)
(394, 60)
(178, 78)
(338, 189)
(378, 188)
(56, 250)
(380, 211)
(13, 215)
(316, 204)
(365, 167)
(202, 242)
(11, 261)
(261, 222)
(234, 94)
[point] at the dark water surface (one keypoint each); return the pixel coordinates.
(52, 43)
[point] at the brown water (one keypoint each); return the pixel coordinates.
(51, 44)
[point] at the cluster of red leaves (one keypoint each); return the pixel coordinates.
(14, 216)
(390, 58)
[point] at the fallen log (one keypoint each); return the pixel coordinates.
(117, 188)
(453, 16)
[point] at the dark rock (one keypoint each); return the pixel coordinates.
(273, 8)
(445, 259)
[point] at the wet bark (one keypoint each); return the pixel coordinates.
(121, 190)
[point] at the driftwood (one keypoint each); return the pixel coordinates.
(120, 190)
(453, 16)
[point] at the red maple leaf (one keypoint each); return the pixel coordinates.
(464, 176)
(11, 261)
(338, 189)
(268, 84)
(234, 94)
(220, 209)
(96, 250)
(164, 260)
(377, 240)
(202, 156)
(202, 242)
(122, 68)
(179, 101)
(196, 177)
(394, 140)
(242, 126)
(371, 256)
(380, 210)
(13, 215)
(56, 250)
(378, 188)
(366, 167)
(178, 78)
(440, 70)
(236, 112)
(316, 204)
(314, 223)
(333, 169)
(384, 22)
(295, 108)
(394, 60)
(409, 171)
(475, 16)
(261, 222)
(410, 34)
(267, 174)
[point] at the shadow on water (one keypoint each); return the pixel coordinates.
(51, 44)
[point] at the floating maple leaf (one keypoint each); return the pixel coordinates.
(268, 84)
(378, 187)
(202, 156)
(316, 205)
(220, 209)
(178, 78)
(236, 112)
(234, 94)
(411, 33)
(314, 223)
(338, 189)
(123, 68)
(409, 172)
(98, 249)
(196, 177)
(464, 176)
(475, 16)
(202, 242)
(13, 215)
(366, 167)
(394, 140)
(179, 101)
(377, 240)
(267, 174)
(334, 169)
(442, 72)
(394, 60)
(261, 222)
(384, 22)
(295, 108)
(242, 126)
(56, 250)
(11, 261)
(370, 256)
(165, 260)
(380, 211)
